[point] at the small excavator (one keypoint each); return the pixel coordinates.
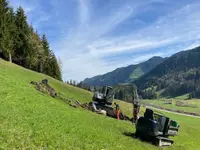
(104, 97)
(103, 101)
(156, 128)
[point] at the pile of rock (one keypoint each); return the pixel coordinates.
(44, 87)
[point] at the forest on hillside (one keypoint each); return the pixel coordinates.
(178, 75)
(20, 43)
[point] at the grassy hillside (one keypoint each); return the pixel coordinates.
(31, 120)
(136, 74)
(18, 77)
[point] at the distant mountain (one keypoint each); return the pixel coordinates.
(124, 74)
(177, 75)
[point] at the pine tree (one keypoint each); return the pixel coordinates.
(74, 83)
(45, 60)
(11, 33)
(70, 82)
(55, 69)
(4, 8)
(7, 30)
(36, 48)
(60, 64)
(21, 41)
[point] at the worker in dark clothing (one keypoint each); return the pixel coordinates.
(136, 110)
(117, 111)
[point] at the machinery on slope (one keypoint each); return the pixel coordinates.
(103, 100)
(151, 127)
(105, 97)
(156, 128)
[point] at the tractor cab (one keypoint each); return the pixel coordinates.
(107, 90)
(105, 97)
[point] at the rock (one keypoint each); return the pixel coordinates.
(45, 81)
(44, 87)
(103, 112)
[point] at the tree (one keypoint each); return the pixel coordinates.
(155, 95)
(74, 83)
(4, 9)
(54, 68)
(7, 29)
(45, 61)
(21, 40)
(36, 48)
(11, 33)
(22, 45)
(60, 64)
(70, 82)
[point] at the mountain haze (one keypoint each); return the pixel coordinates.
(124, 74)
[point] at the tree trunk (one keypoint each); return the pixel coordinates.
(10, 58)
(41, 67)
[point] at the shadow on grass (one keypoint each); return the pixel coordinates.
(130, 134)
(133, 135)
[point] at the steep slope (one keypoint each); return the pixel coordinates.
(32, 120)
(178, 75)
(124, 74)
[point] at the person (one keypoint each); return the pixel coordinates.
(136, 110)
(117, 111)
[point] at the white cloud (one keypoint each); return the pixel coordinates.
(84, 46)
(180, 26)
(135, 45)
(87, 57)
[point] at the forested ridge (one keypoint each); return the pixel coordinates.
(177, 75)
(124, 74)
(20, 43)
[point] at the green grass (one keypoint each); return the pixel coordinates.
(182, 97)
(192, 106)
(189, 132)
(32, 120)
(127, 108)
(136, 73)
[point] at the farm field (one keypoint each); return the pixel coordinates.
(191, 106)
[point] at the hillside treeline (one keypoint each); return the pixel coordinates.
(20, 43)
(178, 75)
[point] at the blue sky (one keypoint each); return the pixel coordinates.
(93, 37)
